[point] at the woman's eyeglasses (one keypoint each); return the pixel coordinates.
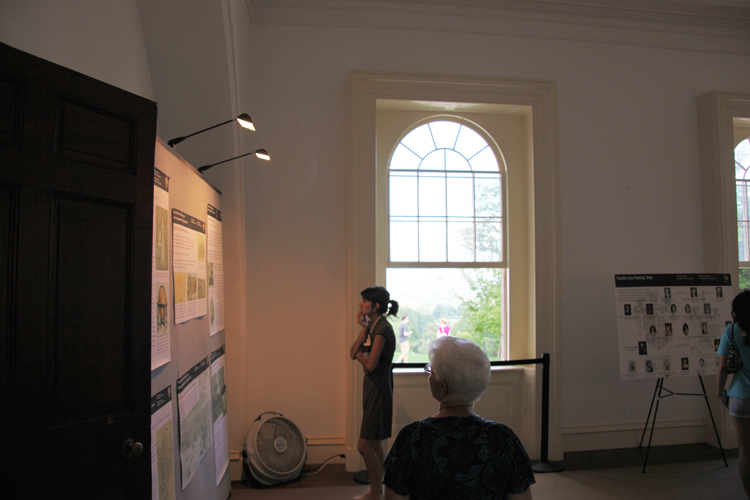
(427, 369)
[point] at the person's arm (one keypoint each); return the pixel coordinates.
(721, 377)
(392, 495)
(526, 495)
(371, 362)
(357, 345)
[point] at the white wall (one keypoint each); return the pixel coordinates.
(629, 178)
(630, 195)
(99, 38)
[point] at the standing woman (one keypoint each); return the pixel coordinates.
(374, 349)
(738, 400)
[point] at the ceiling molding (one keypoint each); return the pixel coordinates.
(705, 25)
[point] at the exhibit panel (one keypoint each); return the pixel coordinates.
(190, 455)
(670, 324)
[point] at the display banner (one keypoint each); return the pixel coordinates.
(194, 404)
(189, 264)
(215, 271)
(671, 324)
(160, 292)
(162, 468)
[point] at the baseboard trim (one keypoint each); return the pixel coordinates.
(613, 436)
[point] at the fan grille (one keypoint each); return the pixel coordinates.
(280, 445)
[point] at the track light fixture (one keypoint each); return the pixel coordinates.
(244, 120)
(260, 153)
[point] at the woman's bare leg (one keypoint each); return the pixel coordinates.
(742, 428)
(373, 453)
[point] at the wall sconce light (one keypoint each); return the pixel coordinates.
(260, 153)
(244, 120)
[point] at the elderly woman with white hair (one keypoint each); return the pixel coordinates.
(456, 454)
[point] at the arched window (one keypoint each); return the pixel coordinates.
(446, 244)
(445, 198)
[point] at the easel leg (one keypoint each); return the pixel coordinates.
(712, 421)
(653, 398)
(659, 385)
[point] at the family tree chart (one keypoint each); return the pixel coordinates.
(671, 324)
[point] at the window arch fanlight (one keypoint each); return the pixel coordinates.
(446, 181)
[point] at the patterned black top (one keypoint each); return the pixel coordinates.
(427, 453)
(377, 385)
(382, 372)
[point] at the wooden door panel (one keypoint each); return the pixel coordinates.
(76, 201)
(8, 243)
(94, 135)
(11, 93)
(90, 254)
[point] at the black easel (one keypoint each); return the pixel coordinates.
(658, 390)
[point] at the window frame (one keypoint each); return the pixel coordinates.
(364, 89)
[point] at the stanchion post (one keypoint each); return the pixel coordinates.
(543, 464)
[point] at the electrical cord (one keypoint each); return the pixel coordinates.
(315, 471)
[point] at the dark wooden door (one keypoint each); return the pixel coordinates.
(76, 191)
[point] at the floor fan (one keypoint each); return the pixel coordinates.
(275, 450)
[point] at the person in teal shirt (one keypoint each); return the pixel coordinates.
(737, 398)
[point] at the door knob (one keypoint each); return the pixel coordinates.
(132, 448)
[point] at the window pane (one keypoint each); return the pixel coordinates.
(488, 197)
(434, 161)
(741, 200)
(403, 159)
(461, 241)
(431, 195)
(485, 161)
(403, 194)
(489, 241)
(471, 302)
(432, 242)
(419, 140)
(744, 279)
(742, 241)
(469, 142)
(742, 153)
(460, 196)
(454, 161)
(445, 134)
(404, 241)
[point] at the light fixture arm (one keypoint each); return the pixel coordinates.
(260, 153)
(244, 120)
(180, 139)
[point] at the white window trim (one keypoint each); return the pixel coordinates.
(364, 88)
(716, 113)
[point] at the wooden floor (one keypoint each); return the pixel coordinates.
(330, 475)
(336, 475)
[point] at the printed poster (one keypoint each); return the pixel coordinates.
(219, 408)
(194, 403)
(215, 271)
(189, 266)
(670, 324)
(160, 293)
(162, 468)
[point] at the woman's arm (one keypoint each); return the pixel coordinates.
(357, 345)
(721, 377)
(526, 495)
(392, 495)
(371, 362)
